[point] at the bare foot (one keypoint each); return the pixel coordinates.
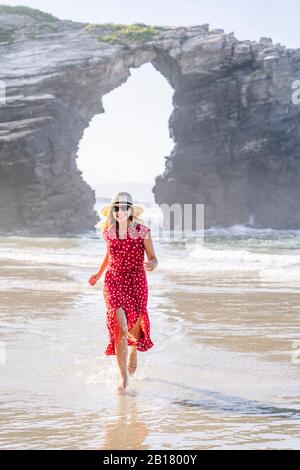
(132, 363)
(122, 385)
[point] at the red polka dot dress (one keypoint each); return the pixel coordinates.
(125, 283)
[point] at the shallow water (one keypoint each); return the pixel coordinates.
(223, 372)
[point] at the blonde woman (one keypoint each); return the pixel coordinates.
(125, 284)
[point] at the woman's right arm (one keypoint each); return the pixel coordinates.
(103, 265)
(95, 277)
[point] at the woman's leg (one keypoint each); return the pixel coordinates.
(121, 346)
(134, 333)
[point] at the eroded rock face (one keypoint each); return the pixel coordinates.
(235, 128)
(236, 133)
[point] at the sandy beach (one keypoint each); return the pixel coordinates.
(221, 373)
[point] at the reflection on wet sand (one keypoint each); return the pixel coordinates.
(128, 430)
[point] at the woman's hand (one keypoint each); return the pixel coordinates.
(93, 279)
(150, 265)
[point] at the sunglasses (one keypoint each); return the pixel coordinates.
(123, 208)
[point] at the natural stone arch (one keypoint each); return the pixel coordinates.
(232, 115)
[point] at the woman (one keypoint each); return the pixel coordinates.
(125, 284)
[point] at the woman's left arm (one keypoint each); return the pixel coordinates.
(152, 260)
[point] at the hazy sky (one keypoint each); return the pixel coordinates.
(128, 141)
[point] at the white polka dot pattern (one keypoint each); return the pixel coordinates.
(125, 283)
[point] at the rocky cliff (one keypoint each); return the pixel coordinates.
(235, 128)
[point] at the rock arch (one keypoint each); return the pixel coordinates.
(232, 115)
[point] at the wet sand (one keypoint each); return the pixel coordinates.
(220, 375)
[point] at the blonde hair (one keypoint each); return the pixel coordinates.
(110, 220)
